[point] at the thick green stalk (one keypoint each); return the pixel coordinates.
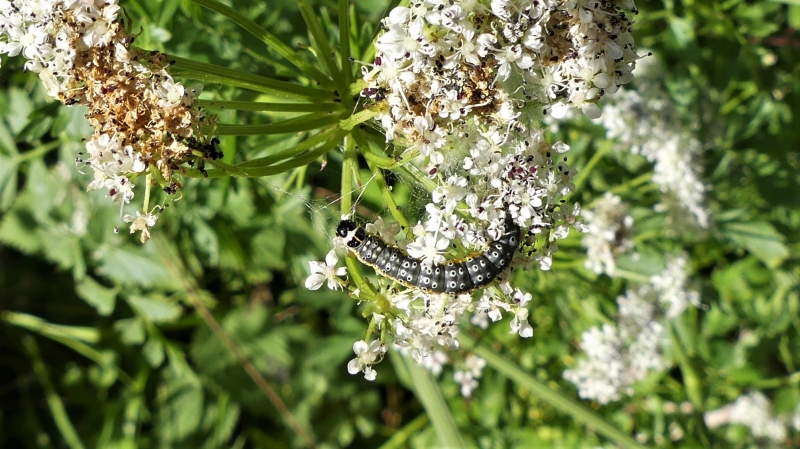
(429, 394)
(57, 408)
(555, 398)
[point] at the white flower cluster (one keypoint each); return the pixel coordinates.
(754, 411)
(459, 86)
(619, 356)
(607, 233)
(469, 373)
(367, 354)
(644, 122)
(141, 116)
(40, 31)
(445, 69)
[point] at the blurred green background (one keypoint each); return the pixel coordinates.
(104, 342)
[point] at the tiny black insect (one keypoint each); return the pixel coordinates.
(454, 276)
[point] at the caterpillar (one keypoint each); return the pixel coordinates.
(454, 276)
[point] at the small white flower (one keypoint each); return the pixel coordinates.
(366, 356)
(141, 222)
(468, 383)
(519, 324)
(430, 249)
(325, 271)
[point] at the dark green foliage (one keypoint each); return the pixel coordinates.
(109, 328)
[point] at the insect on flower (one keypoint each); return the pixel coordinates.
(454, 276)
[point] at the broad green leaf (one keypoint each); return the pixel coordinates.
(19, 231)
(761, 239)
(130, 266)
(153, 351)
(794, 15)
(97, 296)
(154, 309)
(131, 331)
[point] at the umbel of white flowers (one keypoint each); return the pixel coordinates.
(143, 120)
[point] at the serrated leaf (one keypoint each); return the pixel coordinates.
(155, 310)
(61, 248)
(97, 296)
(130, 266)
(131, 331)
(18, 231)
(8, 146)
(268, 246)
(153, 351)
(22, 108)
(761, 239)
(181, 409)
(8, 182)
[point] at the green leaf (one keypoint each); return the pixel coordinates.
(682, 30)
(553, 397)
(429, 394)
(786, 400)
(19, 231)
(155, 310)
(131, 266)
(794, 15)
(97, 296)
(153, 351)
(131, 331)
(761, 239)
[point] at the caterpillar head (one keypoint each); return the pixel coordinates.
(351, 234)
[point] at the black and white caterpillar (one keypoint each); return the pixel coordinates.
(454, 276)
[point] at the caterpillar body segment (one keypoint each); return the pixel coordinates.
(454, 276)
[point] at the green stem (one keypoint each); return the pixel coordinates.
(210, 74)
(394, 209)
(344, 41)
(429, 394)
(57, 409)
(147, 184)
(265, 36)
(70, 336)
(298, 149)
(233, 170)
(583, 175)
(371, 154)
(555, 398)
(349, 166)
(358, 278)
(631, 276)
(358, 118)
(415, 173)
(283, 127)
(402, 437)
(370, 53)
(50, 330)
(267, 106)
(324, 51)
(632, 183)
(691, 381)
(39, 151)
(791, 379)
